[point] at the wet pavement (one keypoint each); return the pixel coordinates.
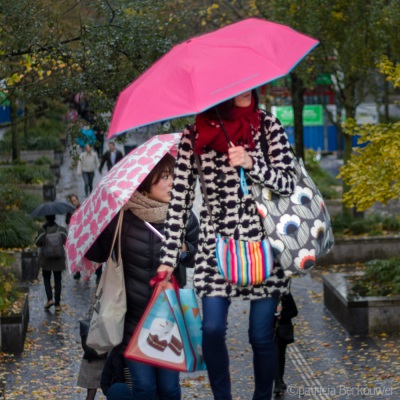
(324, 362)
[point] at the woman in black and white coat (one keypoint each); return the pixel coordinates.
(234, 215)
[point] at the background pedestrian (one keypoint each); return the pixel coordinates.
(110, 157)
(284, 335)
(87, 165)
(74, 200)
(92, 363)
(51, 239)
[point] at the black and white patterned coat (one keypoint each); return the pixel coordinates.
(234, 214)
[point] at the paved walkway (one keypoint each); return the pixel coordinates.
(324, 362)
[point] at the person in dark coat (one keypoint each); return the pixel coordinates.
(141, 258)
(110, 157)
(49, 265)
(74, 200)
(284, 335)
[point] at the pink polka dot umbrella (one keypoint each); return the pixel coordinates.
(109, 196)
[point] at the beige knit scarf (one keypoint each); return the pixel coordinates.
(147, 209)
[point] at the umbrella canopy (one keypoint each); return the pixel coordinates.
(52, 208)
(109, 196)
(206, 70)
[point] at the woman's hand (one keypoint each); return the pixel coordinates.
(165, 268)
(238, 157)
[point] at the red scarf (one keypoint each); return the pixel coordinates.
(239, 129)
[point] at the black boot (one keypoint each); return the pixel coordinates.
(280, 386)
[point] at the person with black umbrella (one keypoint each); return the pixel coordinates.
(51, 239)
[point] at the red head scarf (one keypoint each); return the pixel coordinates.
(239, 129)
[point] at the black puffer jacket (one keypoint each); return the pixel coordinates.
(141, 258)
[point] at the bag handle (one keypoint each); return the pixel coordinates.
(160, 277)
(263, 141)
(118, 230)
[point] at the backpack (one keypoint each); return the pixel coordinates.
(53, 245)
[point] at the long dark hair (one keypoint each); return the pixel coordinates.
(225, 108)
(165, 164)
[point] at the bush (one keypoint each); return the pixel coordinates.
(43, 143)
(372, 225)
(14, 199)
(43, 161)
(381, 278)
(391, 224)
(17, 230)
(25, 174)
(9, 291)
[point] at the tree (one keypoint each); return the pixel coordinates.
(300, 16)
(373, 170)
(54, 49)
(33, 37)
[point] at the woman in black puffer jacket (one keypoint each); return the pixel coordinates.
(141, 258)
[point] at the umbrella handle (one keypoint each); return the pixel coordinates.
(243, 182)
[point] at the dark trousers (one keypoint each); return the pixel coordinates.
(88, 180)
(57, 286)
(261, 338)
(281, 359)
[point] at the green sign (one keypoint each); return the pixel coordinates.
(323, 79)
(313, 115)
(3, 99)
(284, 114)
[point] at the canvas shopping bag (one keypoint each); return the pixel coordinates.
(107, 322)
(169, 334)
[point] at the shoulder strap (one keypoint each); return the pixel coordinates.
(118, 230)
(200, 173)
(263, 140)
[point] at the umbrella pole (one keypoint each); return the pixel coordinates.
(223, 127)
(242, 175)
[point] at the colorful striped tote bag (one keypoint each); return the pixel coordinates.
(244, 263)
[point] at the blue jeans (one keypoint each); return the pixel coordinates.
(88, 181)
(119, 391)
(148, 380)
(261, 337)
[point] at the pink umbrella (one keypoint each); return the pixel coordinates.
(206, 70)
(108, 197)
